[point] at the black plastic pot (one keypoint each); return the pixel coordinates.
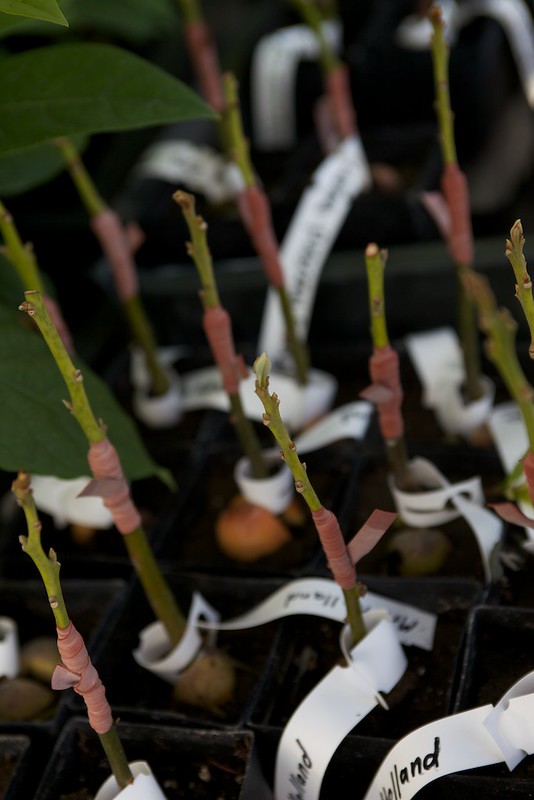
(93, 607)
(310, 648)
(15, 766)
(186, 763)
(190, 542)
(137, 695)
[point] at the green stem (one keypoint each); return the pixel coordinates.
(91, 198)
(354, 613)
(238, 146)
(79, 404)
(20, 255)
(313, 17)
(143, 334)
(49, 568)
(440, 60)
(248, 440)
(158, 593)
(161, 598)
(296, 346)
(523, 286)
(467, 334)
(190, 10)
(375, 263)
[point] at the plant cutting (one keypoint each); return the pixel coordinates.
(255, 213)
(109, 482)
(340, 557)
(335, 117)
(76, 669)
(422, 495)
(420, 551)
(448, 363)
(500, 328)
(246, 530)
(159, 402)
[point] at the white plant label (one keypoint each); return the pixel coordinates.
(144, 786)
(510, 438)
(414, 33)
(322, 210)
(322, 597)
(476, 738)
(438, 361)
(9, 648)
(198, 167)
(156, 411)
(433, 506)
(515, 19)
(59, 497)
(273, 493)
(333, 708)
(154, 652)
(203, 389)
(274, 79)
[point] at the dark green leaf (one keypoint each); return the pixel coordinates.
(37, 432)
(25, 169)
(66, 89)
(36, 9)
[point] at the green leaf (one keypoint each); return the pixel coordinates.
(37, 432)
(65, 89)
(133, 21)
(36, 9)
(25, 169)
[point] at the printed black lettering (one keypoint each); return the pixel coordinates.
(416, 763)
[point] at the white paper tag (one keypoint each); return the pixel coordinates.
(471, 739)
(438, 360)
(156, 411)
(60, 498)
(273, 69)
(322, 597)
(515, 19)
(433, 506)
(9, 648)
(332, 709)
(510, 438)
(301, 404)
(153, 650)
(200, 168)
(144, 786)
(311, 234)
(273, 493)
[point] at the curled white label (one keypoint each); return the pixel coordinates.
(144, 786)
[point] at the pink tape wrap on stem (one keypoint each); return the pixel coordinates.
(203, 54)
(528, 467)
(256, 216)
(335, 549)
(108, 229)
(456, 191)
(61, 326)
(218, 329)
(337, 84)
(384, 370)
(104, 463)
(77, 671)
